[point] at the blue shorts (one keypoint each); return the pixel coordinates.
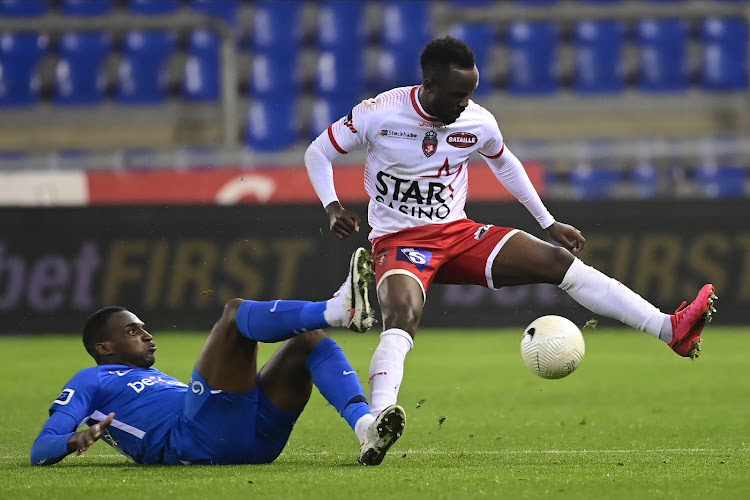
(218, 427)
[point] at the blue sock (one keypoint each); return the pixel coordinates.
(278, 320)
(337, 381)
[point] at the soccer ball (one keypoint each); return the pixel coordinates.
(552, 346)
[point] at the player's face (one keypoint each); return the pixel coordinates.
(448, 97)
(129, 343)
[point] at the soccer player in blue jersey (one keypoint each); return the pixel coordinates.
(229, 412)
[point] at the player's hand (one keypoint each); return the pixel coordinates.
(566, 235)
(82, 440)
(342, 222)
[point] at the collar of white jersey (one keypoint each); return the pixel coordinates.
(418, 105)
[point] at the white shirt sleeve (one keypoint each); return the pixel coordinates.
(510, 172)
(318, 163)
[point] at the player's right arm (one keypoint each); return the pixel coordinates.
(342, 136)
(58, 438)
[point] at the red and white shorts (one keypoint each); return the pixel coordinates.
(457, 253)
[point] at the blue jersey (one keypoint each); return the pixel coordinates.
(146, 403)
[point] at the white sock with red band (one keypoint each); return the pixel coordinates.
(387, 368)
(603, 295)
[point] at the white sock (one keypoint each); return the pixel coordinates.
(605, 296)
(360, 428)
(387, 368)
(332, 314)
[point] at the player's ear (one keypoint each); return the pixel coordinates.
(104, 348)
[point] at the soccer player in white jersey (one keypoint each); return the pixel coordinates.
(230, 412)
(419, 140)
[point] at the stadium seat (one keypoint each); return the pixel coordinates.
(142, 75)
(663, 55)
(533, 57)
(722, 182)
(599, 66)
(277, 27)
(481, 38)
(271, 76)
(593, 183)
(226, 10)
(79, 74)
(202, 67)
(725, 54)
(23, 8)
(340, 42)
(153, 7)
(460, 4)
(327, 110)
(20, 54)
(272, 124)
(341, 25)
(406, 29)
(645, 180)
(86, 8)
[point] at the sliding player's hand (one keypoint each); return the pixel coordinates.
(342, 222)
(568, 236)
(82, 440)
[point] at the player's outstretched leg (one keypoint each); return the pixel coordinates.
(382, 433)
(277, 320)
(352, 300)
(688, 323)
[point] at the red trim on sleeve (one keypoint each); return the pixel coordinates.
(333, 141)
(494, 156)
(417, 108)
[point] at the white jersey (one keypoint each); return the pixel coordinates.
(416, 167)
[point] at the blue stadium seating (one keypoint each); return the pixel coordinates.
(20, 54)
(143, 69)
(153, 7)
(725, 54)
(273, 76)
(407, 28)
(645, 179)
(340, 42)
(327, 110)
(87, 8)
(272, 124)
(80, 67)
(339, 74)
(718, 181)
(663, 57)
(23, 8)
(599, 66)
(481, 38)
(202, 67)
(226, 10)
(277, 27)
(533, 57)
(594, 183)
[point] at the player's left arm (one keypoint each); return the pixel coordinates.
(510, 172)
(58, 438)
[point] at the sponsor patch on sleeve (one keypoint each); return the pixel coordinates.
(64, 397)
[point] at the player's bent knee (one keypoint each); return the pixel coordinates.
(559, 261)
(405, 317)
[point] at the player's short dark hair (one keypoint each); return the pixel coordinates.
(442, 54)
(95, 330)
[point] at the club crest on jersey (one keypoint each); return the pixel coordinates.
(381, 256)
(461, 139)
(429, 143)
(417, 256)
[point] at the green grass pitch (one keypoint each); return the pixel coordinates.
(634, 421)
